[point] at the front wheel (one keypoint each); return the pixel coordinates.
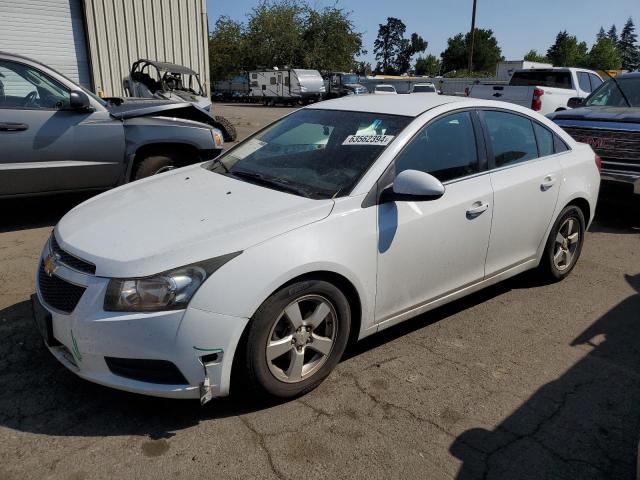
(564, 244)
(153, 165)
(295, 339)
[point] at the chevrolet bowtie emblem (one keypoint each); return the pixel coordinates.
(51, 263)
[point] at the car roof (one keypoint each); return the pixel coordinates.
(629, 75)
(402, 104)
(169, 67)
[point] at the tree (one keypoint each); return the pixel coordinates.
(362, 68)
(629, 51)
(601, 34)
(486, 52)
(274, 34)
(567, 52)
(429, 65)
(612, 34)
(226, 51)
(393, 51)
(329, 40)
(534, 56)
(604, 55)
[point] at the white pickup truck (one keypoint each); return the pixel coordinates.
(544, 90)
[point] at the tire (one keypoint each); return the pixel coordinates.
(153, 165)
(273, 323)
(556, 265)
(229, 132)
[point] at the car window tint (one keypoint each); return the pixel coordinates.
(559, 144)
(512, 138)
(595, 81)
(583, 81)
(23, 87)
(446, 149)
(545, 140)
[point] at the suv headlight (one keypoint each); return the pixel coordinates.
(171, 290)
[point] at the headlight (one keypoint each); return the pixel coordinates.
(171, 290)
(217, 138)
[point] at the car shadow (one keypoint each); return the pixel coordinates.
(617, 212)
(584, 424)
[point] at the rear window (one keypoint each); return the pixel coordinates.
(423, 88)
(541, 78)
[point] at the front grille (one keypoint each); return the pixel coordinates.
(70, 260)
(619, 150)
(144, 370)
(58, 293)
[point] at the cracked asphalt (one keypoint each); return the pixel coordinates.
(523, 380)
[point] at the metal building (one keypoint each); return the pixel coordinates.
(94, 42)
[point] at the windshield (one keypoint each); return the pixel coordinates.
(183, 82)
(423, 88)
(541, 78)
(313, 153)
(609, 93)
(347, 79)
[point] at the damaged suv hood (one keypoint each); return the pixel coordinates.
(143, 107)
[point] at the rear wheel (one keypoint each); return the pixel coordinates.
(154, 165)
(295, 339)
(564, 244)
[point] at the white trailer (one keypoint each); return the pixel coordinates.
(506, 69)
(286, 86)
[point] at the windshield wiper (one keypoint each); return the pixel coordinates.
(217, 161)
(278, 184)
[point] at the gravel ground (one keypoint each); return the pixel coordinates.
(523, 380)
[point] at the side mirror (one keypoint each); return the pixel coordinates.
(413, 186)
(575, 102)
(79, 100)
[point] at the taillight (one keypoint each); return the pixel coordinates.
(598, 162)
(466, 91)
(536, 103)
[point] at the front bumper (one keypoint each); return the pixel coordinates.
(629, 178)
(200, 344)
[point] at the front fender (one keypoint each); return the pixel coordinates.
(344, 243)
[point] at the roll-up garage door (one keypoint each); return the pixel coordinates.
(50, 31)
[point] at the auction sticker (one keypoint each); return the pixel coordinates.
(368, 140)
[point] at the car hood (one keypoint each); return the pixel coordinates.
(599, 114)
(145, 107)
(177, 218)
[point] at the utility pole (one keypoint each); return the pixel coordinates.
(473, 35)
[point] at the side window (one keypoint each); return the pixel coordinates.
(272, 80)
(583, 81)
(254, 76)
(23, 87)
(559, 144)
(512, 138)
(446, 149)
(545, 140)
(595, 81)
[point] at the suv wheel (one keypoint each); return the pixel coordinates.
(229, 132)
(154, 165)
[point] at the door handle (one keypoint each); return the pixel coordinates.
(476, 209)
(547, 183)
(13, 127)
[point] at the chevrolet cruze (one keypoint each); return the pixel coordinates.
(333, 223)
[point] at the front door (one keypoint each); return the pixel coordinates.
(431, 248)
(46, 146)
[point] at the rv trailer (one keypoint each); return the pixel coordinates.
(286, 86)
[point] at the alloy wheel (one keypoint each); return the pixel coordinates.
(566, 243)
(302, 338)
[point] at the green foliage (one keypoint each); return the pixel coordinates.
(284, 33)
(567, 51)
(604, 55)
(534, 56)
(612, 34)
(362, 68)
(429, 65)
(629, 51)
(486, 52)
(393, 51)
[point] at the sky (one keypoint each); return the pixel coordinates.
(519, 25)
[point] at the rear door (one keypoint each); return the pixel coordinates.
(526, 177)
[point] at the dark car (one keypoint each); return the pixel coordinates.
(609, 121)
(56, 136)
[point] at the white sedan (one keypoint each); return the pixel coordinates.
(333, 223)
(385, 89)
